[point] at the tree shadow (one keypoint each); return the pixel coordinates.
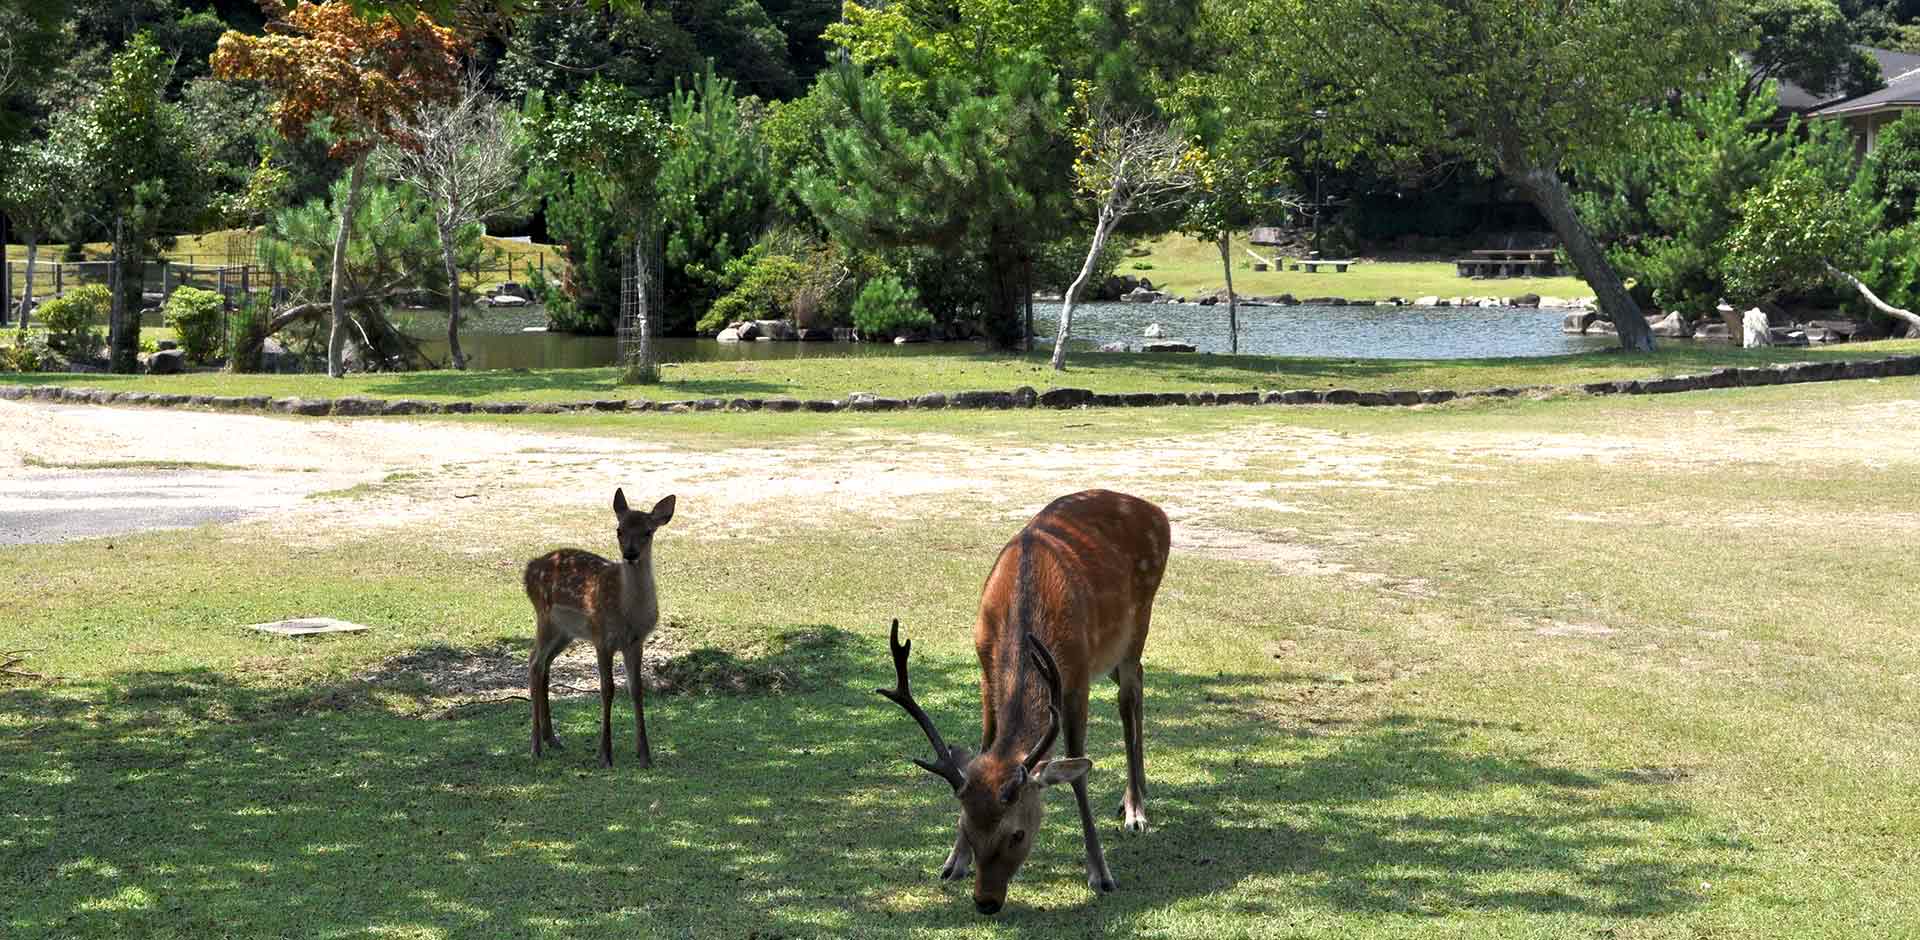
(188, 801)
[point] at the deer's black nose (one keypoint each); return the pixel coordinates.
(986, 907)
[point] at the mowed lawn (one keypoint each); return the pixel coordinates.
(906, 376)
(1189, 267)
(1558, 669)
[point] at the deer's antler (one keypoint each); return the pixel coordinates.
(1056, 697)
(944, 766)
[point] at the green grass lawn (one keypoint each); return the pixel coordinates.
(1187, 266)
(835, 377)
(1668, 693)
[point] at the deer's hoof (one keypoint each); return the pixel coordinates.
(952, 872)
(1136, 823)
(1101, 884)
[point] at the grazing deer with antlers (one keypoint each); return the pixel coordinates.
(578, 595)
(1068, 599)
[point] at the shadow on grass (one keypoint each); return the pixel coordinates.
(190, 802)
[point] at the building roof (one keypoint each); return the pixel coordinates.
(1902, 91)
(1896, 69)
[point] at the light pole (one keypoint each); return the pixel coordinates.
(1319, 122)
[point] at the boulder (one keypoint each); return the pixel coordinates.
(1843, 330)
(728, 335)
(1602, 326)
(1143, 295)
(1526, 300)
(1167, 346)
(1066, 397)
(166, 362)
(1114, 347)
(1154, 331)
(166, 344)
(1208, 301)
(1754, 331)
(508, 300)
(1672, 326)
(1428, 301)
(1715, 331)
(1578, 321)
(814, 335)
(775, 329)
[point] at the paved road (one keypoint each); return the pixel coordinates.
(58, 505)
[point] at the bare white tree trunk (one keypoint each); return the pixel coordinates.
(643, 365)
(1233, 303)
(336, 334)
(1911, 319)
(1101, 230)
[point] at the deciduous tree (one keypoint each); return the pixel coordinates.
(1527, 87)
(1127, 163)
(324, 62)
(467, 158)
(613, 143)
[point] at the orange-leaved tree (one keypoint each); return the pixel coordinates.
(360, 75)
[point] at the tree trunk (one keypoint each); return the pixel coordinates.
(454, 355)
(1003, 292)
(643, 364)
(1233, 303)
(1911, 319)
(1101, 229)
(26, 296)
(336, 329)
(1543, 187)
(123, 317)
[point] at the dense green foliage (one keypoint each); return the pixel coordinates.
(72, 319)
(196, 317)
(715, 196)
(1892, 171)
(886, 306)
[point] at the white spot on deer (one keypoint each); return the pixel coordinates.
(1142, 563)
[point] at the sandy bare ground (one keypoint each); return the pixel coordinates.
(306, 475)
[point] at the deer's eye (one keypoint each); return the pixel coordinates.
(1019, 836)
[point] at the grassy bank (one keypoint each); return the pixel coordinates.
(1186, 266)
(1410, 675)
(835, 377)
(235, 246)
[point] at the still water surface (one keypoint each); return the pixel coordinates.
(1343, 332)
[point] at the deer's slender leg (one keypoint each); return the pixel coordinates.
(631, 656)
(555, 647)
(606, 707)
(1133, 807)
(960, 860)
(546, 645)
(1099, 878)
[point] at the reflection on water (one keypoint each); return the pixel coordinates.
(1344, 332)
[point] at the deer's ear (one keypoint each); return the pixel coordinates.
(663, 511)
(1062, 770)
(619, 502)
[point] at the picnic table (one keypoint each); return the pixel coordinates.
(1312, 265)
(1509, 262)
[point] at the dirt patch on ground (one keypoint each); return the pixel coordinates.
(466, 483)
(795, 661)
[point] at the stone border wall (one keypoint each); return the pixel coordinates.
(354, 406)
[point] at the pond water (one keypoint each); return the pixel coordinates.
(496, 342)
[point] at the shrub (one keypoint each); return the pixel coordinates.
(246, 336)
(26, 353)
(195, 317)
(887, 306)
(69, 319)
(1143, 265)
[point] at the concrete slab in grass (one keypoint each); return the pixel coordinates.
(308, 626)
